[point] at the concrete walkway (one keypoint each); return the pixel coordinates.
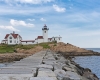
(44, 65)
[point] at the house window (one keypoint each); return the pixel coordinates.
(32, 41)
(45, 31)
(59, 38)
(26, 41)
(10, 37)
(10, 41)
(54, 38)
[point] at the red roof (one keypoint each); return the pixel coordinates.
(28, 41)
(6, 36)
(14, 35)
(40, 37)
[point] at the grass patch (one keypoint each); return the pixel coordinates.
(11, 48)
(45, 45)
(25, 46)
(6, 49)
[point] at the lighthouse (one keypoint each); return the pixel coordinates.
(45, 33)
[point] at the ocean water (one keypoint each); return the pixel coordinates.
(94, 49)
(91, 62)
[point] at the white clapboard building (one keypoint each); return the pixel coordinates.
(13, 39)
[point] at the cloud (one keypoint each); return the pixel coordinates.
(20, 23)
(31, 19)
(42, 19)
(24, 10)
(28, 1)
(8, 28)
(59, 9)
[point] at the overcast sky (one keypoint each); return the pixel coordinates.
(77, 21)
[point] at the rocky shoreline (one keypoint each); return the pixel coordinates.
(51, 66)
(10, 57)
(80, 53)
(86, 73)
(71, 50)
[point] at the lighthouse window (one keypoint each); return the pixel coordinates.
(45, 31)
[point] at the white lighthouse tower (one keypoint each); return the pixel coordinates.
(45, 33)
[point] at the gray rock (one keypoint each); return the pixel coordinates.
(18, 71)
(59, 61)
(46, 74)
(60, 74)
(90, 76)
(72, 75)
(58, 66)
(46, 66)
(66, 78)
(68, 69)
(43, 78)
(49, 62)
(44, 69)
(15, 76)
